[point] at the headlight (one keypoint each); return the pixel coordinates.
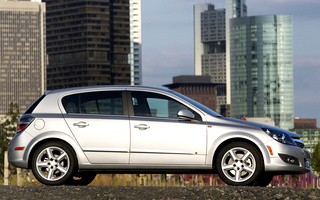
(279, 136)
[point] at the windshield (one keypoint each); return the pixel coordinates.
(197, 104)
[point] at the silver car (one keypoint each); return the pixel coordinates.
(68, 136)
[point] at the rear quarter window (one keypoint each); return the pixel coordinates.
(34, 105)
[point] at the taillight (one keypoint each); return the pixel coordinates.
(24, 122)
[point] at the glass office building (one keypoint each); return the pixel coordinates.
(234, 9)
(261, 68)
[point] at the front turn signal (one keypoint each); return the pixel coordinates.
(270, 150)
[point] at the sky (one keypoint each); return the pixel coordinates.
(168, 48)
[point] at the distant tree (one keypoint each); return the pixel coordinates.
(315, 158)
(8, 126)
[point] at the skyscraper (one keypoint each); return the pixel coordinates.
(234, 9)
(198, 45)
(23, 56)
(88, 42)
(210, 46)
(135, 42)
(262, 68)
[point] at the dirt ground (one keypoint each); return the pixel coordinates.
(153, 193)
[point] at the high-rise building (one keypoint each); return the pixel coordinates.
(234, 9)
(262, 68)
(88, 42)
(210, 46)
(198, 45)
(135, 42)
(23, 56)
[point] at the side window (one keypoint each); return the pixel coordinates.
(155, 105)
(168, 108)
(104, 103)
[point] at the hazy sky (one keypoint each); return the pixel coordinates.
(167, 44)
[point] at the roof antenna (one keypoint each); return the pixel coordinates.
(60, 77)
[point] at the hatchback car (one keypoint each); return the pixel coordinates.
(68, 136)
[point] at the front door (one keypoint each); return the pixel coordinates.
(159, 137)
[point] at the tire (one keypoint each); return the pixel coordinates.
(53, 163)
(81, 179)
(239, 164)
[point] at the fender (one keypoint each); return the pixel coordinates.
(213, 145)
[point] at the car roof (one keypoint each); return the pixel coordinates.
(102, 87)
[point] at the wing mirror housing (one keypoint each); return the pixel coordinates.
(186, 114)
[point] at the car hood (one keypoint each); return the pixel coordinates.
(292, 135)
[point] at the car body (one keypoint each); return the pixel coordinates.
(79, 132)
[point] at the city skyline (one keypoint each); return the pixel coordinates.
(171, 52)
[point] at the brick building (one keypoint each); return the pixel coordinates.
(198, 88)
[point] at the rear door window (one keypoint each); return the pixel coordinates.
(104, 103)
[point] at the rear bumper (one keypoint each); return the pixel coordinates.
(16, 155)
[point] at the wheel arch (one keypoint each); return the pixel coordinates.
(36, 146)
(231, 140)
(58, 137)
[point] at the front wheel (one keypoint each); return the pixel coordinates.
(53, 163)
(239, 164)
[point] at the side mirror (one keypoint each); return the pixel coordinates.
(186, 114)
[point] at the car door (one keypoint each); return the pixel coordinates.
(159, 137)
(100, 125)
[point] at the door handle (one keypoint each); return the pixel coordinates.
(142, 126)
(81, 124)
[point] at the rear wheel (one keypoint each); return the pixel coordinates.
(53, 163)
(239, 164)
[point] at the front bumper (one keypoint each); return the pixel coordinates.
(288, 159)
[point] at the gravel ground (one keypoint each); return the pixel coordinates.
(145, 193)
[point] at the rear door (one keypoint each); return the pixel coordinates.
(100, 125)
